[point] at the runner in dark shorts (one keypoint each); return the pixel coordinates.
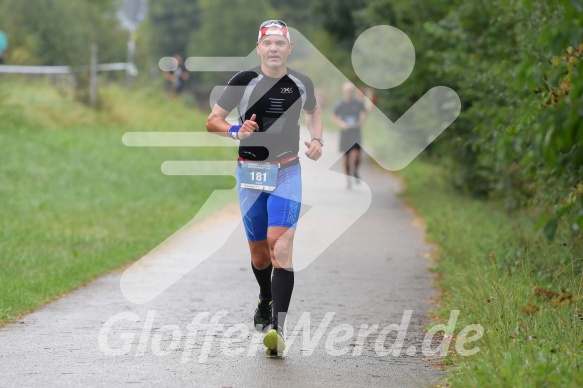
(270, 99)
(349, 115)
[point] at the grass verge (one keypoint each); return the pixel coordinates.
(501, 273)
(77, 203)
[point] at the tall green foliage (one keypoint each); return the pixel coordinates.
(231, 33)
(170, 26)
(59, 32)
(516, 65)
(226, 34)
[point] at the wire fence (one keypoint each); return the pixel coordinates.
(130, 68)
(94, 68)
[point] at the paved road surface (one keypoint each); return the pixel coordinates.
(370, 275)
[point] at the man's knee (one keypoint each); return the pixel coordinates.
(280, 247)
(260, 255)
(281, 244)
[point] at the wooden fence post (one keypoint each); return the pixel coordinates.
(93, 76)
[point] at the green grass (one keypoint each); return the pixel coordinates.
(501, 273)
(75, 202)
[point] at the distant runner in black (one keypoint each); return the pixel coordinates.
(349, 116)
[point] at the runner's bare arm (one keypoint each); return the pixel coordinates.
(216, 123)
(315, 127)
(169, 76)
(339, 122)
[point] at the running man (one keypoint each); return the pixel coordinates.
(269, 99)
(349, 116)
(177, 77)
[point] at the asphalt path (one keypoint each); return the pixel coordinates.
(370, 277)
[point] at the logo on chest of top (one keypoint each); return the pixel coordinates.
(287, 90)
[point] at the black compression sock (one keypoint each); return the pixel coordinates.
(282, 286)
(263, 277)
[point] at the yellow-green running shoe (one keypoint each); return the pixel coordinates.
(275, 343)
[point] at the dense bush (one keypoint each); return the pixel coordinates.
(516, 65)
(59, 32)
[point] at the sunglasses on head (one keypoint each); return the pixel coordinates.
(273, 23)
(280, 25)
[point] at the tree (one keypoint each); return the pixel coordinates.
(59, 32)
(171, 24)
(226, 34)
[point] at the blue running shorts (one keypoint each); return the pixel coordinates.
(281, 207)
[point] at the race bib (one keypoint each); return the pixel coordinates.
(259, 176)
(351, 120)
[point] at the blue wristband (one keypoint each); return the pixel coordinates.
(234, 131)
